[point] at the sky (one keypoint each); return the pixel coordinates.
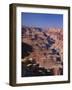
(42, 20)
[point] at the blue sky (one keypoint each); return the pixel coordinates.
(42, 20)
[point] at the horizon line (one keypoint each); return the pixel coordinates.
(42, 27)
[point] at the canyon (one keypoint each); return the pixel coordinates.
(42, 51)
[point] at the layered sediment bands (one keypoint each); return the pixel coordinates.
(43, 50)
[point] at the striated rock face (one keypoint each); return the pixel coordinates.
(44, 46)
